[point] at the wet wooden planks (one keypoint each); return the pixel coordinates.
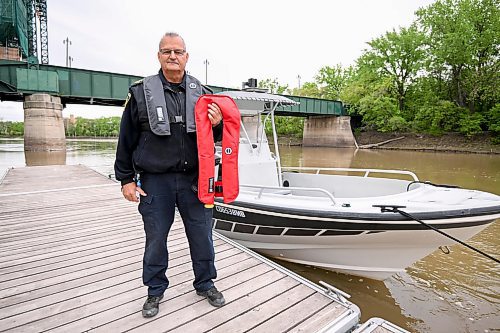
(71, 255)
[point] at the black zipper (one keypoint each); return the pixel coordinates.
(179, 113)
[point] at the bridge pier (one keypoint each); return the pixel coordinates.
(43, 123)
(328, 131)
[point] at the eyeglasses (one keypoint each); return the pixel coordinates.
(177, 52)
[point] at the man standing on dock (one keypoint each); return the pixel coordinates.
(157, 164)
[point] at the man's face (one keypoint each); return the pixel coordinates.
(172, 55)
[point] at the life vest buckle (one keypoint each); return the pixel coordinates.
(218, 189)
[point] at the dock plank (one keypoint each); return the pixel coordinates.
(191, 307)
(71, 258)
(248, 311)
(126, 308)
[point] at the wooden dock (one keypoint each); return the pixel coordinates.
(71, 257)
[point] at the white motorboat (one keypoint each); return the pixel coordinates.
(340, 219)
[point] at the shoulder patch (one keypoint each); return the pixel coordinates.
(128, 98)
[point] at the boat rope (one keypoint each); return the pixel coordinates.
(396, 209)
(429, 183)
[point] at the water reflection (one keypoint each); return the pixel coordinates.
(36, 158)
(459, 292)
(373, 297)
(475, 171)
(461, 286)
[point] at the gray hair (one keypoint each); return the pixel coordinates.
(171, 34)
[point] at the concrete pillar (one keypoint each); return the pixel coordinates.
(35, 158)
(328, 131)
(43, 123)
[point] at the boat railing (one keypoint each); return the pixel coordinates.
(365, 171)
(263, 188)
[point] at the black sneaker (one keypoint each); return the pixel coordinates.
(214, 297)
(151, 307)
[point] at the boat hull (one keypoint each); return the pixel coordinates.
(368, 248)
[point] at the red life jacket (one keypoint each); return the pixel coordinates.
(230, 143)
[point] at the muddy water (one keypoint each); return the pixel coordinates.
(458, 292)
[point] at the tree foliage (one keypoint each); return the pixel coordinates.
(273, 86)
(285, 125)
(439, 75)
(82, 127)
(398, 56)
(332, 81)
(463, 37)
(101, 127)
(11, 128)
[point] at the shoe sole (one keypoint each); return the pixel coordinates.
(149, 313)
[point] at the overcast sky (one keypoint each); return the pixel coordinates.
(241, 39)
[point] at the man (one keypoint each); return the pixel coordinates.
(157, 161)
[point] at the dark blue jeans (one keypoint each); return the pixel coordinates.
(164, 192)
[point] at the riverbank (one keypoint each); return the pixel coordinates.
(450, 142)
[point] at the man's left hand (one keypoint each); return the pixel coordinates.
(214, 114)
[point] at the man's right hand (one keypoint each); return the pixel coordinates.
(130, 192)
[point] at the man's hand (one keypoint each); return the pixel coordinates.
(131, 192)
(214, 114)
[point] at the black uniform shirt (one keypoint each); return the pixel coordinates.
(139, 150)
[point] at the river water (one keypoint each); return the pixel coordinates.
(458, 292)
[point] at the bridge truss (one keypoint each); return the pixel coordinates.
(37, 15)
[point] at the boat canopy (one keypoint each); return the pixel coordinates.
(251, 103)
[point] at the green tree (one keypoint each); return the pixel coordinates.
(285, 125)
(308, 89)
(333, 80)
(399, 56)
(494, 124)
(101, 127)
(11, 128)
(463, 39)
(273, 86)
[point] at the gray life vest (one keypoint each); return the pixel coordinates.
(157, 107)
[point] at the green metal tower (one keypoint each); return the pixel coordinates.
(23, 26)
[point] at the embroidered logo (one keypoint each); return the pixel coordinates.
(228, 151)
(192, 85)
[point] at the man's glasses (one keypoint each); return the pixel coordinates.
(177, 52)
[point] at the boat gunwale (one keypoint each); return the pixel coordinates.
(360, 221)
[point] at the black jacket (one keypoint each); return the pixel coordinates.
(139, 150)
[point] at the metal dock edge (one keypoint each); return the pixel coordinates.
(343, 323)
